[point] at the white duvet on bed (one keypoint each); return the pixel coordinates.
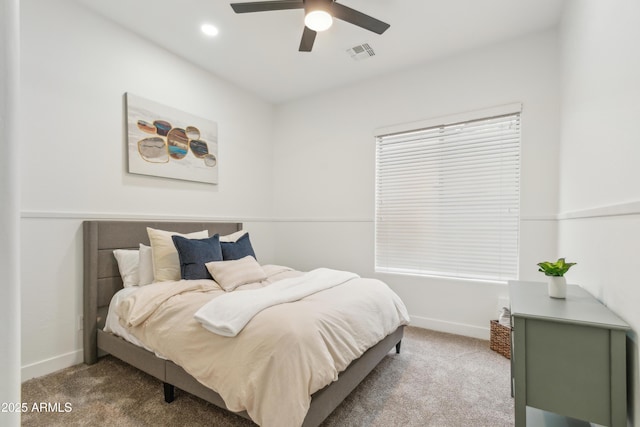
(229, 313)
(114, 325)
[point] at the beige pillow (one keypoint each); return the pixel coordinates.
(166, 264)
(233, 237)
(231, 274)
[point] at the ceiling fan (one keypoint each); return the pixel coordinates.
(319, 16)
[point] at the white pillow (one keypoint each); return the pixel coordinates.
(128, 266)
(231, 274)
(166, 263)
(145, 265)
(233, 237)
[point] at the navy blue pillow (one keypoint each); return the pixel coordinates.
(238, 249)
(194, 253)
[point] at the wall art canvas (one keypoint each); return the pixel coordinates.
(166, 142)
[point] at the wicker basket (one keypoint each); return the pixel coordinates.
(500, 339)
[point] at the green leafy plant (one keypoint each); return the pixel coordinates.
(558, 268)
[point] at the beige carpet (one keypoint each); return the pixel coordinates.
(437, 380)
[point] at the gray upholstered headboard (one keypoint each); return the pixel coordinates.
(101, 275)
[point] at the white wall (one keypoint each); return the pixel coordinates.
(9, 209)
(324, 162)
(75, 69)
(599, 191)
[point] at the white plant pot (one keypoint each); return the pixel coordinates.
(557, 286)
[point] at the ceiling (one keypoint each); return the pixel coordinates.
(259, 51)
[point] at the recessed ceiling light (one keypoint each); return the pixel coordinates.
(209, 30)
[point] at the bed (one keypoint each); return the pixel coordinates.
(102, 280)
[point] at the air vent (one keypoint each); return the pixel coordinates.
(361, 51)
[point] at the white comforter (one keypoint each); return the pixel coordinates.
(229, 313)
(283, 355)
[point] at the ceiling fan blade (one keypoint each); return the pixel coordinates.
(308, 37)
(354, 17)
(266, 6)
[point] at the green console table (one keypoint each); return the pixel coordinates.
(568, 356)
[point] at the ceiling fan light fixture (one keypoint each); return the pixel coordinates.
(319, 16)
(318, 20)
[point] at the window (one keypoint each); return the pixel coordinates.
(447, 198)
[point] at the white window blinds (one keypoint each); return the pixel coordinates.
(447, 200)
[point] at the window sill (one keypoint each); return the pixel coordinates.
(443, 277)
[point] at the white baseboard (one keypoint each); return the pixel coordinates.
(451, 327)
(49, 366)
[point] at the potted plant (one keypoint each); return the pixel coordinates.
(555, 274)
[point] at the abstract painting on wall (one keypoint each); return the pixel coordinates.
(169, 143)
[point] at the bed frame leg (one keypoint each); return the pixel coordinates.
(398, 347)
(169, 392)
